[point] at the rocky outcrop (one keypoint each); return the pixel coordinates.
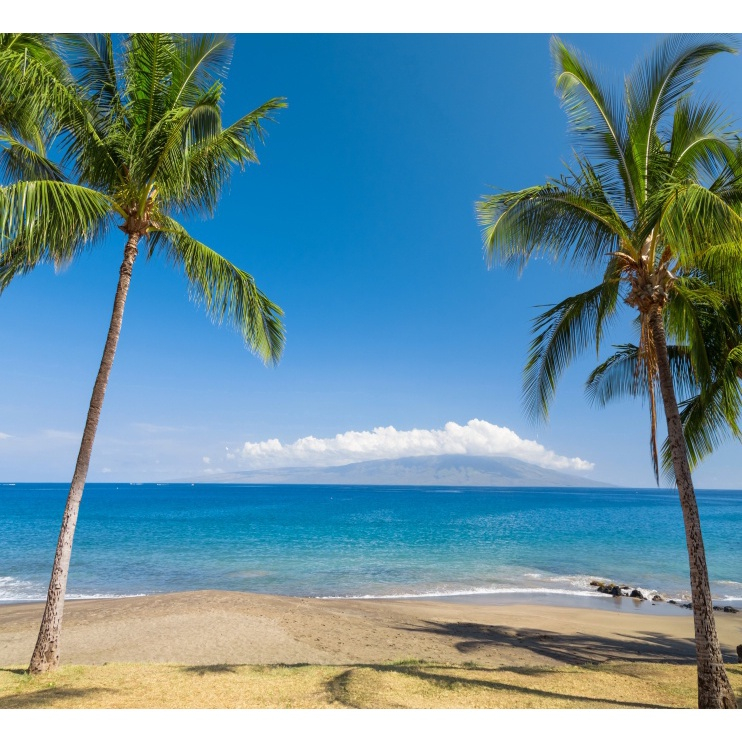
(722, 608)
(608, 588)
(618, 591)
(624, 591)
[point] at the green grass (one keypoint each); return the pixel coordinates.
(406, 684)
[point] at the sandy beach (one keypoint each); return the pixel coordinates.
(214, 627)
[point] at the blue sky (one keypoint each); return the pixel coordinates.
(359, 222)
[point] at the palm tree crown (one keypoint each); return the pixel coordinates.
(138, 141)
(651, 200)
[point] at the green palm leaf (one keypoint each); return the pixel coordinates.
(227, 293)
(596, 114)
(20, 161)
(91, 59)
(711, 417)
(654, 88)
(205, 60)
(573, 213)
(47, 222)
(562, 332)
(151, 59)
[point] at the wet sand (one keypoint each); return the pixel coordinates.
(215, 627)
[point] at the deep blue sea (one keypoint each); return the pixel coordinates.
(341, 541)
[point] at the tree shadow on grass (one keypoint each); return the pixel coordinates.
(340, 692)
(338, 689)
(46, 697)
(225, 668)
(208, 669)
(573, 649)
(533, 672)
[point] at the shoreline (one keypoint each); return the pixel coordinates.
(222, 627)
(578, 600)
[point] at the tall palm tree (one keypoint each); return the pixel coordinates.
(140, 141)
(652, 191)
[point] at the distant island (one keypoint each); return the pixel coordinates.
(447, 470)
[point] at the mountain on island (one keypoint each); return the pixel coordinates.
(447, 470)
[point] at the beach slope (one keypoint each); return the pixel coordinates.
(214, 627)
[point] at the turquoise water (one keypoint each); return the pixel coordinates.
(337, 541)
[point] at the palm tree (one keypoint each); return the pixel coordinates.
(652, 197)
(140, 141)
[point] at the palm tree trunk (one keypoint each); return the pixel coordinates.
(46, 654)
(714, 689)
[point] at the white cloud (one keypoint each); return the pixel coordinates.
(105, 470)
(3, 436)
(206, 460)
(476, 438)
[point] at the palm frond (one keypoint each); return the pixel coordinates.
(616, 377)
(48, 221)
(720, 267)
(20, 161)
(596, 114)
(695, 218)
(656, 85)
(151, 59)
(228, 293)
(567, 220)
(161, 157)
(621, 375)
(38, 46)
(24, 113)
(561, 333)
(700, 141)
(56, 101)
(209, 161)
(711, 417)
(91, 59)
(205, 59)
(692, 306)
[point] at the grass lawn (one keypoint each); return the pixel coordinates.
(411, 684)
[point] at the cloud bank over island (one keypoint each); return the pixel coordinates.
(476, 438)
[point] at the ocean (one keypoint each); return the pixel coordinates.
(365, 542)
